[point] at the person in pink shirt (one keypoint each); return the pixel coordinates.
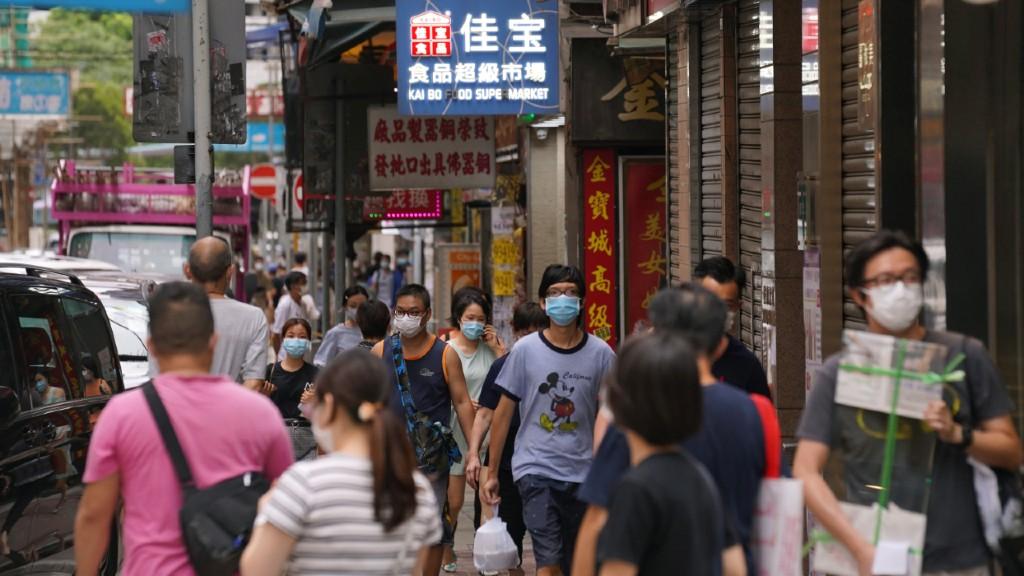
(225, 430)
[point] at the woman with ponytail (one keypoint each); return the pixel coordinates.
(361, 509)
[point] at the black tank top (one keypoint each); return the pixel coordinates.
(427, 381)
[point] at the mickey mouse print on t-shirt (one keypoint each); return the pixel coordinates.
(562, 405)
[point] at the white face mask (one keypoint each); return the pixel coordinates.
(408, 326)
(896, 306)
(730, 320)
(323, 436)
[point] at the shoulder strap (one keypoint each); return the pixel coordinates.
(404, 393)
(163, 423)
(772, 436)
(967, 379)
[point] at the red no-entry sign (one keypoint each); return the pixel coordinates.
(263, 182)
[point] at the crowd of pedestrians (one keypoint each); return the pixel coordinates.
(649, 462)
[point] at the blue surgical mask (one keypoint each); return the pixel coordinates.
(41, 386)
(473, 330)
(563, 310)
(296, 347)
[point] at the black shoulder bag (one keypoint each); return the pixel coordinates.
(216, 523)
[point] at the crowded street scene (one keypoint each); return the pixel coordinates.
(512, 287)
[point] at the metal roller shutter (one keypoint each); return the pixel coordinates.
(860, 218)
(748, 81)
(711, 136)
(674, 184)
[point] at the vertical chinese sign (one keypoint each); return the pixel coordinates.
(600, 257)
(644, 236)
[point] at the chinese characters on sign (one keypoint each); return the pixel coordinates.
(645, 234)
(429, 152)
(600, 255)
(456, 57)
(405, 205)
(506, 259)
(34, 93)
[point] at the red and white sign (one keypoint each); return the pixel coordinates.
(262, 103)
(263, 182)
(429, 151)
(431, 34)
(297, 192)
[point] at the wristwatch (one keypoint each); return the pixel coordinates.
(966, 437)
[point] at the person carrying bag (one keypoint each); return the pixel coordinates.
(216, 522)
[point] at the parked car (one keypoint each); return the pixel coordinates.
(60, 367)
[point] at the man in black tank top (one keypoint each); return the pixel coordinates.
(436, 383)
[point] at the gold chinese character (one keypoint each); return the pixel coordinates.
(646, 303)
(597, 170)
(597, 317)
(598, 242)
(601, 283)
(640, 101)
(653, 229)
(655, 264)
(658, 185)
(598, 202)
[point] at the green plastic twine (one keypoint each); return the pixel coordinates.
(890, 441)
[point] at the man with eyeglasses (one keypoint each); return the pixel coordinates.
(436, 383)
(884, 276)
(555, 376)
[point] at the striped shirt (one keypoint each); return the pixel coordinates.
(326, 505)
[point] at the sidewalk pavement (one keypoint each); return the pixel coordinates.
(464, 543)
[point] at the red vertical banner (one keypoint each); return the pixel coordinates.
(645, 232)
(600, 255)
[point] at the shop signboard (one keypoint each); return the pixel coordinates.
(622, 99)
(405, 205)
(644, 235)
(600, 255)
(866, 64)
(429, 152)
(30, 93)
(117, 5)
(472, 57)
(458, 266)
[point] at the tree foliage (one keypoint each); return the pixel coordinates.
(98, 45)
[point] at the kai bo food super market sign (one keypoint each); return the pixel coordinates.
(477, 57)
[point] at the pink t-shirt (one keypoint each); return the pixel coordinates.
(224, 429)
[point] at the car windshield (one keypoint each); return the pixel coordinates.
(135, 251)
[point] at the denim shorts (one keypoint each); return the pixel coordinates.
(553, 516)
(439, 483)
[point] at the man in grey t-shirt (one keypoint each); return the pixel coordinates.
(241, 351)
(555, 376)
(885, 274)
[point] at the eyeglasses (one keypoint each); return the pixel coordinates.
(886, 279)
(572, 292)
(408, 313)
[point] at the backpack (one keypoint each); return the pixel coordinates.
(216, 522)
(433, 442)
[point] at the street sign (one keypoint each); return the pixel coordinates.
(466, 57)
(112, 5)
(25, 93)
(299, 191)
(163, 97)
(263, 182)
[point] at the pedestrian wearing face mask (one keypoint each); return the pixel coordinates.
(346, 335)
(884, 276)
(361, 509)
(478, 346)
(427, 383)
(294, 304)
(555, 376)
(289, 378)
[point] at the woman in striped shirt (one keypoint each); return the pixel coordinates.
(361, 509)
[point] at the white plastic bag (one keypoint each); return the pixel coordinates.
(779, 527)
(493, 548)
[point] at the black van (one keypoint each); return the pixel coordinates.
(58, 369)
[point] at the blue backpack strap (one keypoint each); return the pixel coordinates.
(404, 392)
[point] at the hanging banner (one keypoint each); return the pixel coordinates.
(459, 57)
(429, 152)
(600, 255)
(644, 220)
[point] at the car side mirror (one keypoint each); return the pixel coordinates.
(10, 406)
